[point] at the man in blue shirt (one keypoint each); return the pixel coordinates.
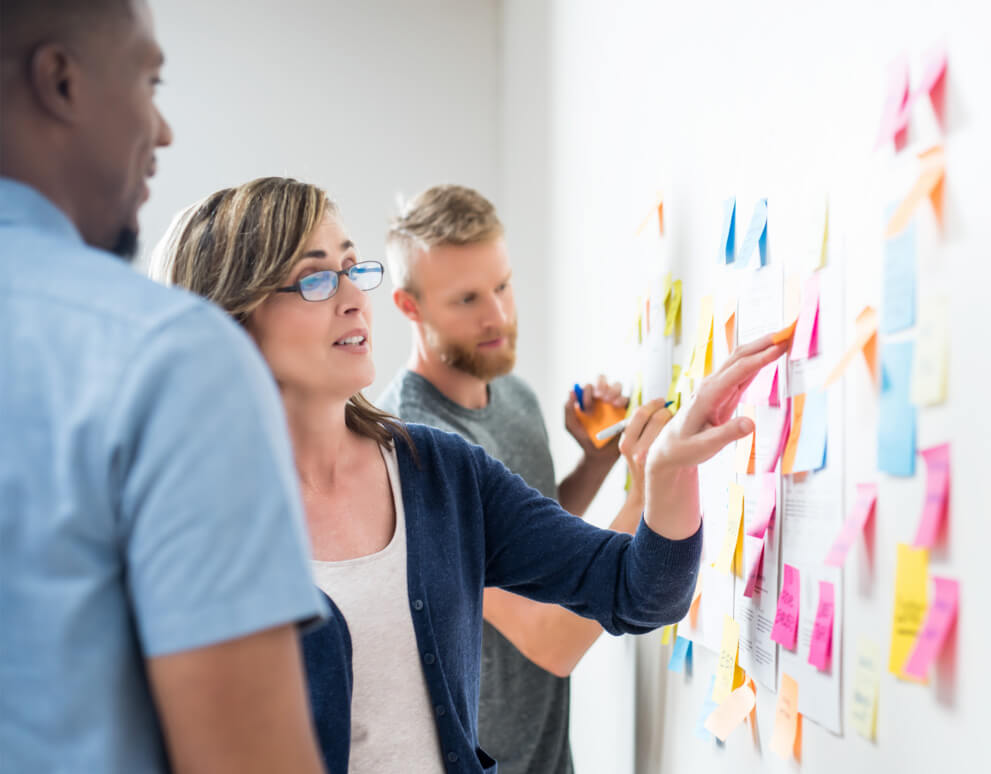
(153, 562)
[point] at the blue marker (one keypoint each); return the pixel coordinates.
(580, 395)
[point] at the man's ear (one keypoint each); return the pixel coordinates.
(55, 81)
(407, 304)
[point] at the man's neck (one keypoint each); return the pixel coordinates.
(464, 389)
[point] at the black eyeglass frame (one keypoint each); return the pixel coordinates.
(363, 265)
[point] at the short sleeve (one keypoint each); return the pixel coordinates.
(209, 516)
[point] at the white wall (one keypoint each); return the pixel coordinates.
(708, 99)
(368, 99)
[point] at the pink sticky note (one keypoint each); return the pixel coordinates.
(785, 629)
(898, 104)
(783, 440)
(806, 342)
(753, 551)
(766, 504)
(863, 507)
(937, 490)
(932, 84)
(935, 627)
(821, 650)
(763, 390)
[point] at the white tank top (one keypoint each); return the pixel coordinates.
(392, 724)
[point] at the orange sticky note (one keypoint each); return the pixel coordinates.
(746, 447)
(693, 610)
(731, 713)
(601, 416)
(929, 184)
(788, 458)
(786, 719)
(730, 325)
(865, 341)
(785, 333)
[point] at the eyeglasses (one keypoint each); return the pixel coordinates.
(321, 285)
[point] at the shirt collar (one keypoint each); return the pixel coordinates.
(22, 205)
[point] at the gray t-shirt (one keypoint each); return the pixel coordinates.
(523, 709)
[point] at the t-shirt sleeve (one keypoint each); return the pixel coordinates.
(629, 584)
(209, 515)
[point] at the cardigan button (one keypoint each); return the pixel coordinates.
(428, 658)
(418, 604)
(452, 757)
(439, 709)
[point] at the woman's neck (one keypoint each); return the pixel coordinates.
(323, 446)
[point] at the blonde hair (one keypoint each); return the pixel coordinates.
(441, 215)
(239, 245)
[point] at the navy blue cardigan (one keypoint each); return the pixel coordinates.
(470, 523)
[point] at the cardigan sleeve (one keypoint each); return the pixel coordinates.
(533, 547)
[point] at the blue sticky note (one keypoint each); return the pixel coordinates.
(756, 236)
(729, 230)
(680, 654)
(811, 451)
(898, 293)
(707, 707)
(896, 428)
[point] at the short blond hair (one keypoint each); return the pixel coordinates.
(441, 215)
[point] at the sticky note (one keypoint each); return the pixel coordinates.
(898, 291)
(864, 341)
(806, 342)
(929, 372)
(708, 706)
(785, 629)
(862, 509)
(897, 105)
(701, 364)
(729, 326)
(785, 333)
(734, 523)
(599, 417)
(866, 687)
(896, 426)
(673, 309)
(766, 505)
(726, 669)
(937, 495)
(824, 249)
(784, 433)
(810, 454)
(753, 553)
(693, 609)
(821, 649)
(668, 633)
(785, 718)
(731, 713)
(794, 433)
(660, 218)
(746, 449)
(681, 655)
(756, 236)
(939, 619)
(910, 605)
(728, 241)
(763, 390)
(929, 185)
(932, 84)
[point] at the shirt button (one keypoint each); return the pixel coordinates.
(439, 709)
(428, 658)
(418, 604)
(452, 757)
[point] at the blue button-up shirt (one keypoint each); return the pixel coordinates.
(148, 502)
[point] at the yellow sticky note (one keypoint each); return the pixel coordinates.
(785, 736)
(866, 687)
(666, 288)
(731, 712)
(702, 358)
(733, 536)
(668, 633)
(672, 316)
(911, 581)
(673, 388)
(726, 670)
(929, 369)
(824, 250)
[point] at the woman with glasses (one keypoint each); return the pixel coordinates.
(407, 523)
